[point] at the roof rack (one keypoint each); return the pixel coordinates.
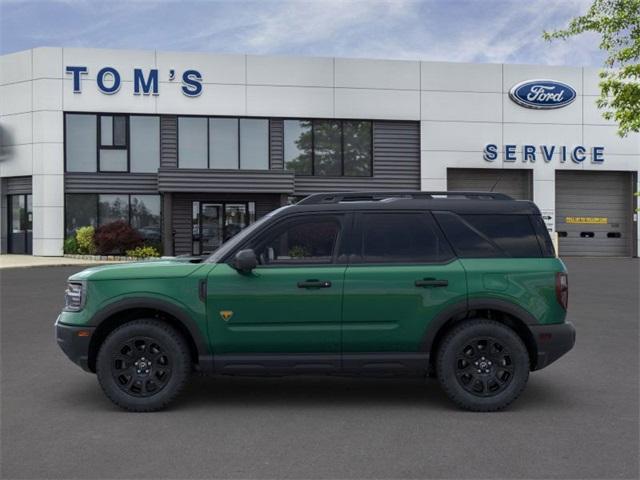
(337, 197)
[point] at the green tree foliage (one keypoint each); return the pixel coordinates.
(618, 23)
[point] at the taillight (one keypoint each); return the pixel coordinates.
(562, 289)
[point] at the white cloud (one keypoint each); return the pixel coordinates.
(446, 30)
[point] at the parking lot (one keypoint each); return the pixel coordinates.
(577, 419)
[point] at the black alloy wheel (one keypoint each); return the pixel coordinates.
(482, 365)
(143, 365)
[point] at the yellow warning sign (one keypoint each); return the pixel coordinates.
(587, 220)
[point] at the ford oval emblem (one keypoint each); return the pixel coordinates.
(542, 94)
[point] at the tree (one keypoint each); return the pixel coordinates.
(618, 23)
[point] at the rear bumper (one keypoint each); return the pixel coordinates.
(552, 342)
(74, 342)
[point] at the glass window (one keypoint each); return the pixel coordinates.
(514, 234)
(402, 237)
(235, 219)
(223, 142)
(192, 142)
(254, 144)
(297, 146)
(80, 142)
(119, 131)
(466, 241)
(145, 217)
(195, 228)
(113, 160)
(113, 131)
(106, 130)
(145, 143)
(112, 208)
(18, 213)
(544, 239)
(357, 148)
(308, 240)
(81, 210)
(327, 140)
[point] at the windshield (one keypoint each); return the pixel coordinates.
(233, 242)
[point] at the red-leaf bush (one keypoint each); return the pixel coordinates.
(116, 238)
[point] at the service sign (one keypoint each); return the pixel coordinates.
(542, 94)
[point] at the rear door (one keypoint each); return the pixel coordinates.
(403, 273)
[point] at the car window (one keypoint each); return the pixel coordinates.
(301, 241)
(490, 236)
(402, 238)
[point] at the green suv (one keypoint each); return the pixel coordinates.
(461, 285)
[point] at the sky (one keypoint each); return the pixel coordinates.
(486, 31)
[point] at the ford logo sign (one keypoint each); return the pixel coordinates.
(542, 94)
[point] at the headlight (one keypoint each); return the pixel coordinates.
(74, 297)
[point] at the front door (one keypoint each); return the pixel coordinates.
(20, 221)
(291, 303)
(403, 275)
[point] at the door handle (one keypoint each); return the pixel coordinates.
(431, 282)
(314, 284)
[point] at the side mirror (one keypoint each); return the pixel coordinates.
(245, 261)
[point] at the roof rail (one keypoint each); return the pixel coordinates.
(337, 197)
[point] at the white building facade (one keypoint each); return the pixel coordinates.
(190, 147)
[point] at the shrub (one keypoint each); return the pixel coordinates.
(70, 245)
(143, 252)
(85, 240)
(116, 237)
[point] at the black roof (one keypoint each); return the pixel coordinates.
(458, 202)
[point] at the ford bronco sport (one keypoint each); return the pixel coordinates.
(461, 285)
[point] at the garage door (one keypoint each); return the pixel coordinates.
(515, 183)
(593, 213)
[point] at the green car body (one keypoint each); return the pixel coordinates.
(375, 318)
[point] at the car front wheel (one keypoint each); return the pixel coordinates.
(143, 365)
(482, 365)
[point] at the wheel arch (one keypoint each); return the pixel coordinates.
(502, 311)
(122, 311)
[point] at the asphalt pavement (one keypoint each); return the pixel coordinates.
(577, 418)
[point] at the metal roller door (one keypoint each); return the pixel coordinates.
(594, 213)
(515, 183)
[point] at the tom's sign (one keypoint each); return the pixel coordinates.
(108, 80)
(542, 94)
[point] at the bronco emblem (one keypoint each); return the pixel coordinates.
(226, 315)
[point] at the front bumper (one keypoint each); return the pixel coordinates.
(74, 342)
(552, 342)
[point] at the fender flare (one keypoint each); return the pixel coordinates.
(462, 309)
(129, 303)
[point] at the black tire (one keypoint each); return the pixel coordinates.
(143, 365)
(482, 365)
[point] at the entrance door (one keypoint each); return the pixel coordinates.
(20, 222)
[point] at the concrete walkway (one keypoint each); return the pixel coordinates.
(24, 261)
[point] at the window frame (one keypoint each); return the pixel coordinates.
(98, 116)
(101, 147)
(342, 121)
(239, 156)
(357, 247)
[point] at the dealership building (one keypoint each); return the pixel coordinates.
(189, 148)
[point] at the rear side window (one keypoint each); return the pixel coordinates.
(486, 236)
(402, 238)
(544, 239)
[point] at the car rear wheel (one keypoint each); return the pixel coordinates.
(482, 365)
(143, 365)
